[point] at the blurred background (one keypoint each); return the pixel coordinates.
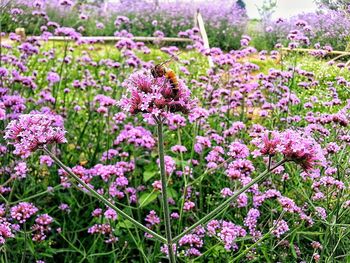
(267, 21)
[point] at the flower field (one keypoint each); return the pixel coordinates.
(141, 152)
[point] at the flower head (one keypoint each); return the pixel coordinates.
(296, 146)
(32, 131)
(23, 211)
(155, 95)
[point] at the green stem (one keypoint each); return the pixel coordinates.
(217, 211)
(164, 192)
(102, 198)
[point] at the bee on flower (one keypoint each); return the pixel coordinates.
(148, 94)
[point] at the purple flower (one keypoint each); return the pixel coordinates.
(53, 78)
(228, 233)
(137, 136)
(100, 25)
(64, 207)
(104, 229)
(251, 221)
(238, 150)
(32, 131)
(152, 219)
(111, 214)
(44, 219)
(23, 211)
(154, 95)
(239, 168)
(170, 164)
(295, 146)
(5, 232)
(178, 149)
(189, 205)
(280, 227)
(46, 160)
(321, 212)
(66, 2)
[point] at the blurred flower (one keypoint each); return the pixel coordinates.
(280, 227)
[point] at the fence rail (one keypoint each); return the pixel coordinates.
(111, 38)
(335, 52)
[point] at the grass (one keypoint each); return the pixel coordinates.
(91, 133)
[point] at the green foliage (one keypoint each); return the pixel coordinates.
(87, 139)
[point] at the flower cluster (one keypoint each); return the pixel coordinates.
(32, 131)
(251, 221)
(137, 136)
(23, 211)
(280, 227)
(41, 228)
(227, 231)
(295, 146)
(104, 229)
(155, 95)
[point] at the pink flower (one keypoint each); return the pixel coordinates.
(170, 164)
(111, 214)
(21, 170)
(280, 227)
(45, 159)
(179, 149)
(154, 95)
(251, 222)
(23, 211)
(238, 150)
(229, 232)
(5, 232)
(296, 146)
(189, 205)
(239, 168)
(104, 229)
(225, 192)
(157, 185)
(152, 219)
(137, 136)
(32, 131)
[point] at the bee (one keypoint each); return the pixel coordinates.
(160, 70)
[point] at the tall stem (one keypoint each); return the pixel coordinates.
(217, 211)
(102, 198)
(164, 192)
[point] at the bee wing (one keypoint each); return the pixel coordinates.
(173, 57)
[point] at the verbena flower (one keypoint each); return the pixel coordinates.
(32, 131)
(152, 219)
(137, 136)
(23, 211)
(41, 228)
(5, 232)
(281, 227)
(251, 221)
(295, 146)
(154, 95)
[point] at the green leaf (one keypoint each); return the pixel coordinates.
(147, 198)
(148, 175)
(294, 253)
(30, 246)
(125, 224)
(172, 193)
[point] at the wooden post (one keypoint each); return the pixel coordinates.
(21, 32)
(156, 3)
(204, 36)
